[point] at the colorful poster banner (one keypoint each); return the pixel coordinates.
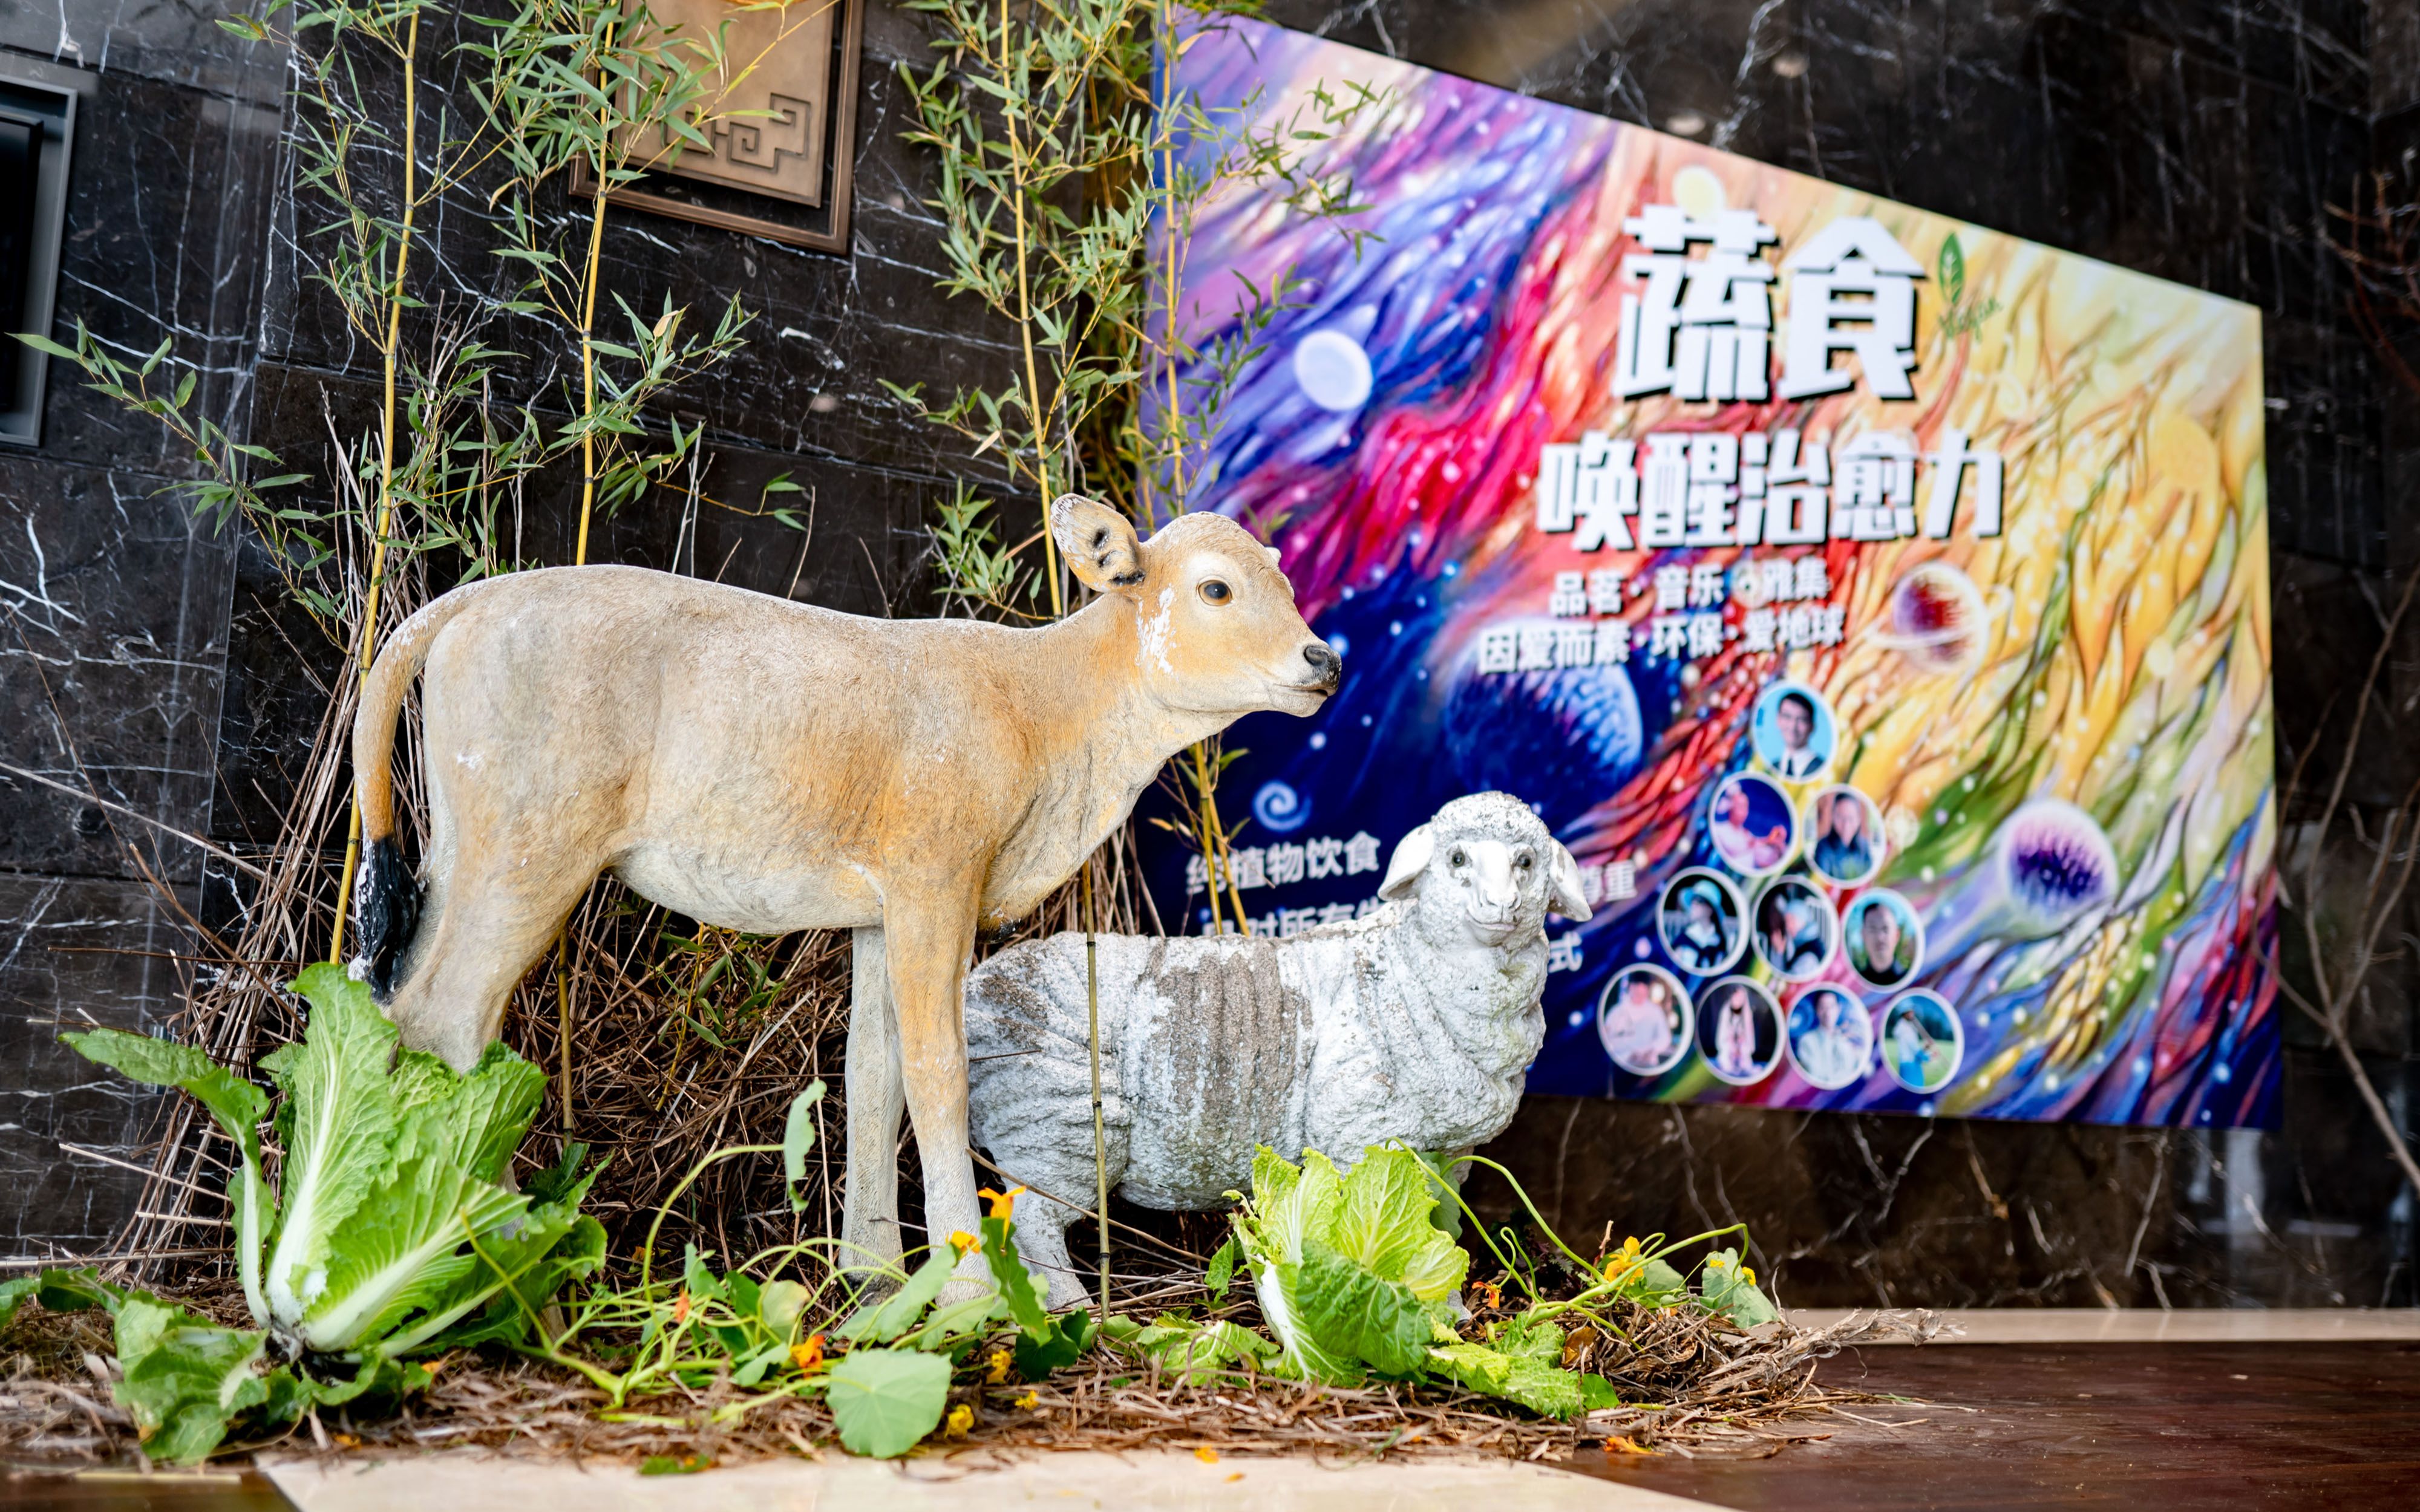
(1876, 605)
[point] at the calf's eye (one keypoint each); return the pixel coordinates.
(1215, 592)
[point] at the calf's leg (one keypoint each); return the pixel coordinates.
(929, 941)
(869, 1214)
(492, 924)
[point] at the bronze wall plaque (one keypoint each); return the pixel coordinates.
(784, 175)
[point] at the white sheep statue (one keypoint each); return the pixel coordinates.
(1416, 1023)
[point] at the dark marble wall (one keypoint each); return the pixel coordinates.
(114, 603)
(146, 658)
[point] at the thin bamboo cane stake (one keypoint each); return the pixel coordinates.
(1100, 1140)
(389, 356)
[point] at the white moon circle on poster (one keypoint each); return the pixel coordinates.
(1332, 370)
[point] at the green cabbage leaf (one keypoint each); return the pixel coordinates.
(392, 1237)
(1351, 1272)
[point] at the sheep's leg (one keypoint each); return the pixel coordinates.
(877, 1098)
(1042, 1223)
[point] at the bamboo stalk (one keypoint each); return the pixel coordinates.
(389, 356)
(588, 369)
(1033, 410)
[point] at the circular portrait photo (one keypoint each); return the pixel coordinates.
(1796, 929)
(1792, 732)
(1844, 837)
(1643, 1020)
(1922, 1041)
(1750, 824)
(1739, 1031)
(1884, 937)
(1831, 1038)
(1703, 921)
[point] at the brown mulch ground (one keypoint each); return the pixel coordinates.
(1691, 1385)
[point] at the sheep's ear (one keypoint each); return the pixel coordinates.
(1410, 859)
(1565, 895)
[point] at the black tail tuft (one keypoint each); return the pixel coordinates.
(388, 914)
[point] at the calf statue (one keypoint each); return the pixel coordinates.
(764, 765)
(1416, 1023)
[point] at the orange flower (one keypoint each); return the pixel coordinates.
(808, 1356)
(1003, 1204)
(962, 1241)
(1206, 1455)
(680, 1306)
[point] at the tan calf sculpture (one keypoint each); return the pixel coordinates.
(765, 765)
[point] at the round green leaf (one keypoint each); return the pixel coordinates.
(886, 1400)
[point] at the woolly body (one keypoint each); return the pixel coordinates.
(1417, 1024)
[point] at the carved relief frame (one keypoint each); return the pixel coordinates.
(786, 179)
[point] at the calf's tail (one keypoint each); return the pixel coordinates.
(386, 897)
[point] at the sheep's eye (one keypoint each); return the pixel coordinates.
(1215, 592)
(1460, 859)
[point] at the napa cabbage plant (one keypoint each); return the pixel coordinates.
(1355, 1278)
(389, 1237)
(1350, 1271)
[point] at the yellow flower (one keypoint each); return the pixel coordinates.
(1003, 1204)
(1024, 1403)
(1206, 1455)
(1621, 1263)
(998, 1370)
(962, 1241)
(1747, 1274)
(961, 1418)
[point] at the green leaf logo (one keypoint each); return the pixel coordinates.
(1953, 268)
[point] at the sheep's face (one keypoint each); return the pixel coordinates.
(1498, 887)
(1491, 880)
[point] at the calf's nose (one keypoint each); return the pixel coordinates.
(1326, 667)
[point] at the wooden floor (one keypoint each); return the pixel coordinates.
(2159, 1427)
(2149, 1428)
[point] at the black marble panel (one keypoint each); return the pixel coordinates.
(114, 603)
(76, 954)
(167, 42)
(169, 190)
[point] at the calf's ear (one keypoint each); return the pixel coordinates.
(1099, 543)
(1565, 895)
(1410, 859)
